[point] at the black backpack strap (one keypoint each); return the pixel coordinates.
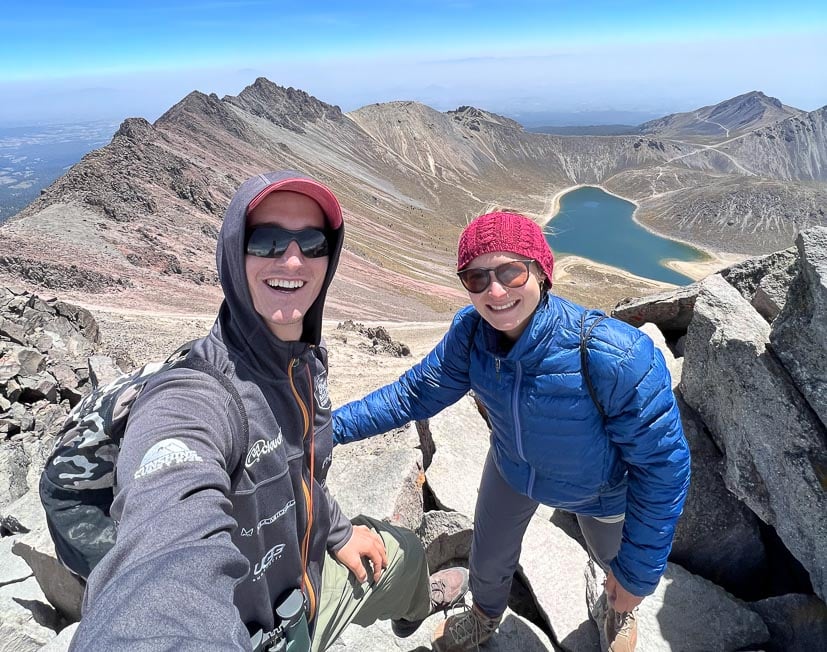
(584, 358)
(474, 329)
(200, 364)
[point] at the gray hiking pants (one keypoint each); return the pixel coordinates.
(500, 521)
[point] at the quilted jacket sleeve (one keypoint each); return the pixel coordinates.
(439, 380)
(645, 424)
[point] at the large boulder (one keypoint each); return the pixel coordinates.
(460, 436)
(799, 334)
(686, 613)
(764, 281)
(717, 537)
(671, 311)
(772, 441)
(381, 477)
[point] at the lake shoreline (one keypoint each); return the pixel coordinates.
(696, 270)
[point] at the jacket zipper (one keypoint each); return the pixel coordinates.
(518, 434)
(307, 488)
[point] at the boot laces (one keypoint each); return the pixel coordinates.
(437, 593)
(623, 622)
(471, 627)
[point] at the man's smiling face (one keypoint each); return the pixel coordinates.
(284, 288)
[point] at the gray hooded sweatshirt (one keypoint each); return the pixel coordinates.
(214, 529)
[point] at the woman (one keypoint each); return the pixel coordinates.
(618, 460)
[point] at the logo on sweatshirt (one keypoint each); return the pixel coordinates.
(167, 452)
(322, 392)
(274, 554)
(269, 520)
(262, 447)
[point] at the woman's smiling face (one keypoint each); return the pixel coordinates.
(509, 310)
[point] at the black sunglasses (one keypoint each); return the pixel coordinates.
(513, 274)
(272, 241)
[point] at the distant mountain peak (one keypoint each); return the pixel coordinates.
(134, 129)
(289, 107)
(472, 115)
(737, 115)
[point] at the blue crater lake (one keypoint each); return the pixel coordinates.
(596, 225)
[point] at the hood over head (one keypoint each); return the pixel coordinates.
(238, 312)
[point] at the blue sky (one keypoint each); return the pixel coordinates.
(67, 61)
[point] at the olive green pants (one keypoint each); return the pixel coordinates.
(403, 591)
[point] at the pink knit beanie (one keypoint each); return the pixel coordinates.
(510, 232)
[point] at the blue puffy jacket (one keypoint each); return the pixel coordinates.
(549, 440)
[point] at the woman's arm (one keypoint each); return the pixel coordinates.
(439, 380)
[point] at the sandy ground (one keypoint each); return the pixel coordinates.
(136, 337)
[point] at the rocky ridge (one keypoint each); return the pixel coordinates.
(746, 350)
(135, 222)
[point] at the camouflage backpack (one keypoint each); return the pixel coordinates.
(76, 487)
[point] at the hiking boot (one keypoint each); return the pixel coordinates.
(464, 631)
(621, 630)
(448, 588)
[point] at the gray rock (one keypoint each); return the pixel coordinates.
(39, 387)
(12, 568)
(381, 477)
(552, 564)
(61, 642)
(671, 311)
(27, 622)
(799, 334)
(675, 366)
(797, 623)
(514, 633)
(31, 361)
(28, 512)
(102, 370)
(81, 318)
(764, 281)
(13, 390)
(717, 536)
(14, 464)
(62, 589)
(686, 613)
(461, 437)
(446, 537)
(12, 331)
(9, 367)
(772, 442)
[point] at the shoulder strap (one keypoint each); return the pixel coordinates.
(200, 364)
(584, 358)
(474, 329)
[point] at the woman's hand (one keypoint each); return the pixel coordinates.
(619, 598)
(363, 543)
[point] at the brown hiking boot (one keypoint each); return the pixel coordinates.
(621, 630)
(464, 631)
(448, 588)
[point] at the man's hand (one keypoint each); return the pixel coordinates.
(364, 542)
(619, 598)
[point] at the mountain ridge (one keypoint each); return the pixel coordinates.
(147, 206)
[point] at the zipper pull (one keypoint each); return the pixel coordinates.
(497, 368)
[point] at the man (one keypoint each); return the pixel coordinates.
(220, 534)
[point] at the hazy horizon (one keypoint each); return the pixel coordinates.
(91, 60)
